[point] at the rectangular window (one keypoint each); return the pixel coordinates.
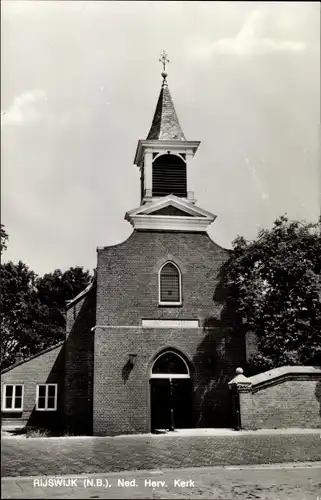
(12, 398)
(47, 397)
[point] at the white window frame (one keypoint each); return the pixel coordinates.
(166, 303)
(4, 407)
(46, 397)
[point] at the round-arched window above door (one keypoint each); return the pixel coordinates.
(170, 365)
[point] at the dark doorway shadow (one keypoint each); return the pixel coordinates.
(171, 407)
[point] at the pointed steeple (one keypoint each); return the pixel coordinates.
(165, 125)
(164, 157)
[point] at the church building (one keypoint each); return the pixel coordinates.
(146, 348)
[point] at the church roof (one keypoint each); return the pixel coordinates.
(82, 294)
(33, 356)
(165, 125)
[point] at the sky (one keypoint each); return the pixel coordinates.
(79, 86)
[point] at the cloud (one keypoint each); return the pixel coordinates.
(31, 107)
(252, 40)
(27, 108)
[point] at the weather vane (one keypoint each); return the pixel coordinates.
(163, 59)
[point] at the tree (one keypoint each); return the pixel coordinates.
(274, 287)
(19, 307)
(4, 238)
(56, 288)
(33, 308)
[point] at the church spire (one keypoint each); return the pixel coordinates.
(165, 125)
(164, 157)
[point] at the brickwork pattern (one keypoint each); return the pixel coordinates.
(45, 368)
(127, 277)
(288, 403)
(79, 362)
(127, 292)
(122, 400)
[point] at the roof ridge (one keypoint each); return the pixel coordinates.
(33, 356)
(82, 293)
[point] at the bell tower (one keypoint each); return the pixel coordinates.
(165, 156)
(164, 159)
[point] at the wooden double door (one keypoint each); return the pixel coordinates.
(171, 403)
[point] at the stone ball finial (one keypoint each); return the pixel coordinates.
(239, 371)
(164, 74)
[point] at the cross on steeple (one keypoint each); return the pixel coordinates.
(163, 59)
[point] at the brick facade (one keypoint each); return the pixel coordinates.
(79, 362)
(45, 368)
(127, 277)
(98, 391)
(127, 293)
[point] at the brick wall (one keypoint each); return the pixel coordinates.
(127, 277)
(121, 396)
(79, 360)
(281, 398)
(70, 365)
(47, 367)
(127, 292)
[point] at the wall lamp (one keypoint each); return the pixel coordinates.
(132, 359)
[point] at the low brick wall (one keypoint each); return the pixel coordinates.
(289, 396)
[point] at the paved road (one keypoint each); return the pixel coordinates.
(291, 481)
(79, 455)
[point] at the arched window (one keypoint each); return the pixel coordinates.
(170, 365)
(170, 285)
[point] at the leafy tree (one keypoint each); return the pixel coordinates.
(33, 308)
(274, 286)
(58, 287)
(4, 238)
(18, 311)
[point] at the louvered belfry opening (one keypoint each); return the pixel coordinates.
(170, 284)
(169, 176)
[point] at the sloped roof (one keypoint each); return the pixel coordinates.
(33, 356)
(190, 217)
(82, 294)
(165, 125)
(170, 200)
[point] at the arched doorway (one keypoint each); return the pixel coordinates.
(171, 393)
